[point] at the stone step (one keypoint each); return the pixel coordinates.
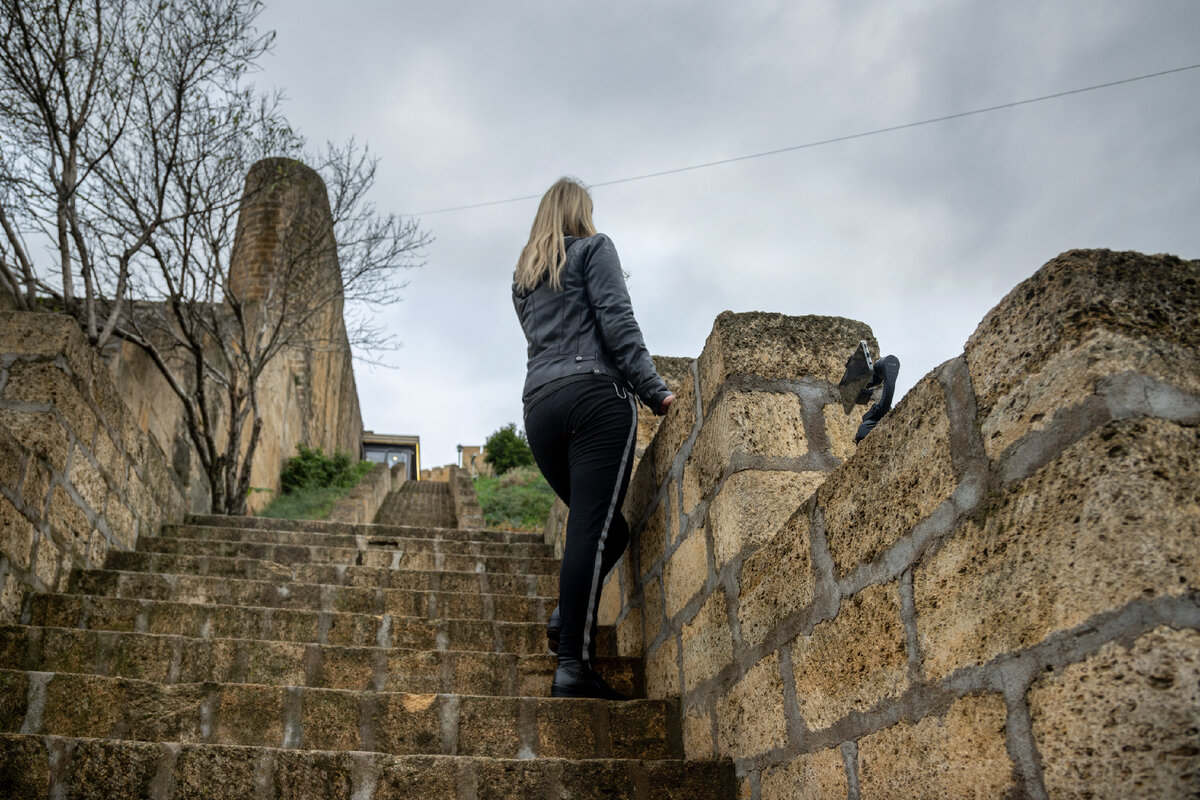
(359, 529)
(91, 706)
(411, 573)
(312, 596)
(334, 549)
(135, 561)
(221, 621)
(51, 766)
(181, 659)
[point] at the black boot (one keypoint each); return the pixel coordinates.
(575, 678)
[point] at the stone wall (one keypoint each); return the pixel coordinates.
(466, 502)
(994, 595)
(78, 474)
(307, 393)
(363, 502)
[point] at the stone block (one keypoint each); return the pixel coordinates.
(102, 768)
(504, 780)
(678, 526)
(408, 723)
(16, 536)
(1112, 520)
(47, 559)
(840, 428)
(1123, 722)
(84, 706)
(610, 599)
(854, 661)
(565, 729)
(706, 641)
(205, 771)
(652, 540)
(777, 346)
(654, 608)
(641, 492)
(676, 425)
(1135, 299)
(629, 633)
(25, 765)
(87, 481)
(324, 716)
(433, 778)
(487, 726)
(698, 732)
(12, 596)
(686, 572)
(40, 334)
(38, 432)
(959, 754)
(751, 507)
(808, 776)
(12, 460)
(301, 775)
(776, 580)
(642, 729)
(750, 716)
(43, 382)
(71, 521)
(899, 475)
(662, 670)
(250, 715)
(746, 423)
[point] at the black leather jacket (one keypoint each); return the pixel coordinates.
(588, 327)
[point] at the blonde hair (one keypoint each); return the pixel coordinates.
(565, 210)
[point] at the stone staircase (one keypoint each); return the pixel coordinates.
(236, 657)
(424, 504)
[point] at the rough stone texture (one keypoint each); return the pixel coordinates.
(745, 423)
(777, 346)
(750, 718)
(854, 661)
(815, 776)
(899, 475)
(697, 732)
(1115, 518)
(1151, 300)
(685, 571)
(707, 641)
(61, 418)
(961, 754)
(776, 580)
(654, 608)
(841, 427)
(662, 670)
(1124, 722)
(752, 505)
(651, 540)
(669, 434)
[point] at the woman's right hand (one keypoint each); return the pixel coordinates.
(665, 404)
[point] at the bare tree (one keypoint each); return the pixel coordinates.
(127, 135)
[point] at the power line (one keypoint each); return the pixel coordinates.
(834, 140)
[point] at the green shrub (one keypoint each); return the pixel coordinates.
(312, 482)
(507, 449)
(520, 499)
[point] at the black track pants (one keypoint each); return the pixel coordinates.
(583, 438)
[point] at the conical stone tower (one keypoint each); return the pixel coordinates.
(240, 657)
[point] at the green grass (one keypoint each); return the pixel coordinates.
(312, 482)
(519, 500)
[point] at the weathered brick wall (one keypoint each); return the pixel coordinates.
(466, 502)
(78, 475)
(365, 499)
(995, 595)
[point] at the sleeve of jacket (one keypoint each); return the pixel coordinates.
(618, 329)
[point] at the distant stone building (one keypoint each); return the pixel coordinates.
(473, 458)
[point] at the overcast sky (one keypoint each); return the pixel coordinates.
(918, 233)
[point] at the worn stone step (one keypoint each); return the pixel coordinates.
(52, 766)
(363, 577)
(312, 596)
(293, 625)
(359, 529)
(343, 550)
(181, 659)
(301, 571)
(91, 706)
